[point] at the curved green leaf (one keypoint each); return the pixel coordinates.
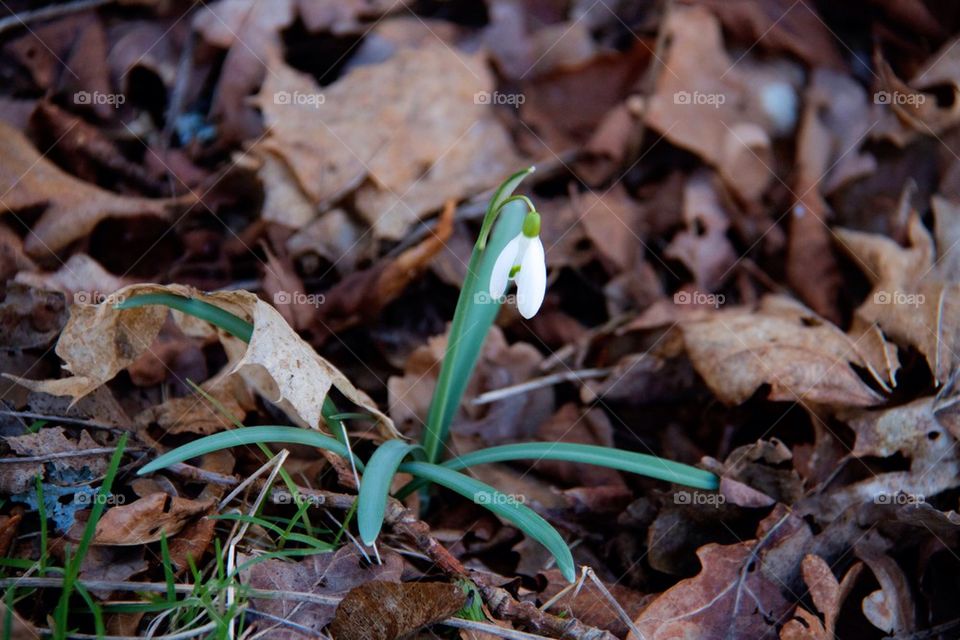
(502, 505)
(630, 461)
(499, 198)
(247, 435)
(213, 314)
(375, 486)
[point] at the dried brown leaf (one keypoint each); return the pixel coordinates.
(433, 140)
(73, 207)
(783, 345)
(99, 341)
(379, 610)
(147, 519)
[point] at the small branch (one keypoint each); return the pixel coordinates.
(91, 424)
(537, 383)
(66, 454)
(503, 605)
(50, 11)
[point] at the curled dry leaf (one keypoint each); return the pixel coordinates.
(194, 414)
(914, 299)
(19, 477)
(830, 131)
(890, 608)
(80, 274)
(330, 574)
(784, 345)
(701, 102)
(919, 106)
(147, 519)
(361, 295)
(99, 341)
(73, 207)
(827, 595)
(780, 25)
(703, 247)
(705, 606)
(433, 140)
(30, 316)
(379, 610)
(918, 431)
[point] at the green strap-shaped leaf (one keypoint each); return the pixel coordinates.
(629, 461)
(213, 314)
(375, 486)
(247, 435)
(507, 507)
(472, 319)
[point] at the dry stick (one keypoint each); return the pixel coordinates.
(66, 454)
(181, 635)
(537, 383)
(50, 11)
(91, 424)
(405, 522)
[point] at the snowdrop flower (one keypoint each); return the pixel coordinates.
(522, 261)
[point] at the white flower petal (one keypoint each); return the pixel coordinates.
(500, 275)
(532, 280)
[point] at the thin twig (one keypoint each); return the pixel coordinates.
(66, 454)
(492, 629)
(91, 424)
(182, 635)
(50, 11)
(537, 383)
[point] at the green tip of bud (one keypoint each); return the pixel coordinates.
(531, 224)
(514, 270)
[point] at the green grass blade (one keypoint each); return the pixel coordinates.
(167, 562)
(500, 504)
(95, 610)
(472, 319)
(245, 436)
(375, 486)
(630, 461)
(76, 558)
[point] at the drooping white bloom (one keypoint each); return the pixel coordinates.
(522, 260)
